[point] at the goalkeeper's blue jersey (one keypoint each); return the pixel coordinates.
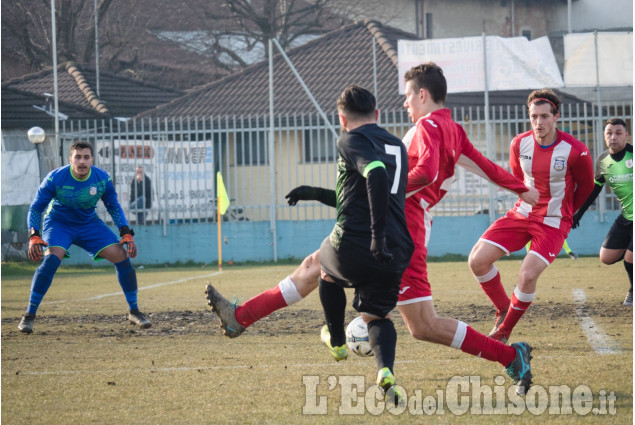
(73, 201)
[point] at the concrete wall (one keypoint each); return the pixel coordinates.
(251, 241)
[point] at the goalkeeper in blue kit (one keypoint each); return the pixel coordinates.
(69, 195)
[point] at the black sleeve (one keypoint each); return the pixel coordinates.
(589, 201)
(327, 197)
(378, 195)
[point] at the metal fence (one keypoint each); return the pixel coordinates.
(181, 157)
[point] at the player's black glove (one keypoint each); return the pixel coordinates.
(311, 193)
(576, 220)
(379, 250)
(302, 193)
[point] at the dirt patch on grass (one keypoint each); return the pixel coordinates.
(281, 322)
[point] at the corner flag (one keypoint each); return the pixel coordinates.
(221, 194)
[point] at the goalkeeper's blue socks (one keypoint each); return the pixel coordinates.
(42, 279)
(128, 280)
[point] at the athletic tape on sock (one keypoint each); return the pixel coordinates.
(459, 335)
(487, 276)
(289, 291)
(521, 296)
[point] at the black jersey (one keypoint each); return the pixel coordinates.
(360, 151)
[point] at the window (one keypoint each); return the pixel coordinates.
(251, 148)
(526, 33)
(319, 146)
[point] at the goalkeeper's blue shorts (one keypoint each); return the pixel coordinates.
(92, 237)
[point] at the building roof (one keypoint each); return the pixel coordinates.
(326, 65)
(119, 96)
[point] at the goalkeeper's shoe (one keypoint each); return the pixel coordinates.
(26, 324)
(339, 353)
(138, 318)
(226, 312)
(520, 369)
(392, 393)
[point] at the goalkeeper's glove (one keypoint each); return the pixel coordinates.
(126, 238)
(379, 250)
(36, 245)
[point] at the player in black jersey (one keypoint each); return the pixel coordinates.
(370, 246)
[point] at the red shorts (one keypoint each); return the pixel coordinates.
(415, 286)
(512, 231)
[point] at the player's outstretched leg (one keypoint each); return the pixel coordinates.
(226, 312)
(520, 369)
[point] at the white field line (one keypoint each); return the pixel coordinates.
(143, 288)
(599, 341)
(184, 369)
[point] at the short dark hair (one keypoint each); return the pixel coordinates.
(82, 145)
(541, 96)
(356, 102)
(616, 121)
(429, 76)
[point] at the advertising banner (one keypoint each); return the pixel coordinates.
(512, 63)
(614, 55)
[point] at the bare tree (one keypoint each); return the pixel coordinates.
(235, 33)
(170, 42)
(26, 26)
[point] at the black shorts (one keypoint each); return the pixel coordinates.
(376, 289)
(620, 235)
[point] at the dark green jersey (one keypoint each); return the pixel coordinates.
(360, 151)
(617, 171)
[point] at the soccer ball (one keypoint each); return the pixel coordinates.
(357, 337)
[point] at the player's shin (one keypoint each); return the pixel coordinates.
(383, 340)
(333, 300)
(520, 302)
(265, 303)
(128, 281)
(42, 280)
(493, 287)
(472, 342)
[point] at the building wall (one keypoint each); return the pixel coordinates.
(252, 241)
(589, 15)
(464, 18)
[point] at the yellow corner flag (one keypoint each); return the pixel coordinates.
(221, 194)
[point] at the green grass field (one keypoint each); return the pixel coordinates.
(85, 364)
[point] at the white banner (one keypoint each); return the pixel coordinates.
(615, 55)
(20, 177)
(512, 63)
(182, 173)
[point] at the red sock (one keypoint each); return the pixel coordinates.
(260, 306)
(493, 288)
(479, 345)
(516, 310)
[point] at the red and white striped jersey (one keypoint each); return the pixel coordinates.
(435, 146)
(561, 172)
